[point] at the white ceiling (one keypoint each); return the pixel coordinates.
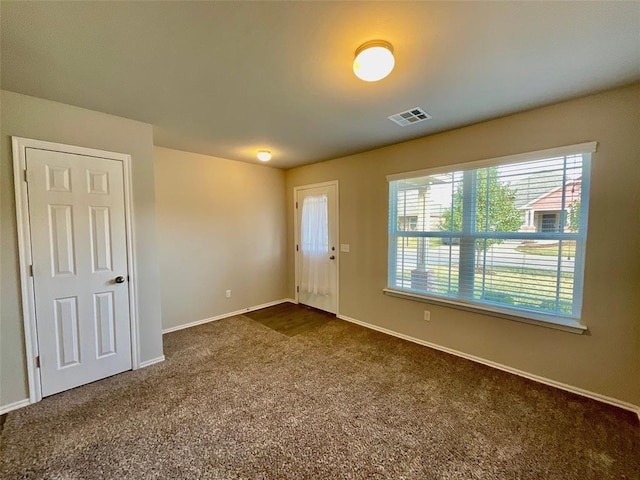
(227, 78)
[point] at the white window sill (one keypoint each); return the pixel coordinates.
(558, 324)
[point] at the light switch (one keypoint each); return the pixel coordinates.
(344, 247)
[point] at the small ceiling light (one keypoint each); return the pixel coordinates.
(264, 155)
(374, 60)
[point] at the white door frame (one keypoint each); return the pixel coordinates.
(296, 235)
(20, 146)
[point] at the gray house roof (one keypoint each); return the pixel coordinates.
(532, 187)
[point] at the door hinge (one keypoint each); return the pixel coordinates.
(26, 178)
(38, 361)
(297, 289)
(296, 247)
(296, 204)
(31, 270)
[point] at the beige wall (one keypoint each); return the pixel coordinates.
(45, 120)
(605, 361)
(221, 226)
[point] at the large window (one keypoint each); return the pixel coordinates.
(506, 235)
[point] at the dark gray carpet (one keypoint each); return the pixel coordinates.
(235, 399)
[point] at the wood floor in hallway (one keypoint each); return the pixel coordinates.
(291, 319)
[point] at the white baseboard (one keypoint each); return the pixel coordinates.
(536, 378)
(226, 315)
(14, 406)
(153, 361)
(23, 403)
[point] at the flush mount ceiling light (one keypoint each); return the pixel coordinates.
(264, 155)
(374, 60)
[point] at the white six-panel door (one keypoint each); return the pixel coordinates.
(78, 239)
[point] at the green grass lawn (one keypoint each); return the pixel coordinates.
(546, 249)
(412, 242)
(522, 287)
(510, 286)
(549, 249)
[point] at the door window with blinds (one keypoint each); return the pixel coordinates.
(506, 235)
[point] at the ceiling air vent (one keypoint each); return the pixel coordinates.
(415, 115)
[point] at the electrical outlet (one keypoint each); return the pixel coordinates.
(427, 315)
(228, 293)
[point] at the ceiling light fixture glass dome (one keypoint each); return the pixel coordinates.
(264, 155)
(374, 60)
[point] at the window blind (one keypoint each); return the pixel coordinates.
(507, 234)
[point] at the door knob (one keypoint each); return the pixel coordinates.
(120, 279)
(332, 257)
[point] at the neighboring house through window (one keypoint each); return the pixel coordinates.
(543, 214)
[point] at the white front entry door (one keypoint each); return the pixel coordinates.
(316, 246)
(80, 273)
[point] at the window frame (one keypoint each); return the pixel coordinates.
(567, 323)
